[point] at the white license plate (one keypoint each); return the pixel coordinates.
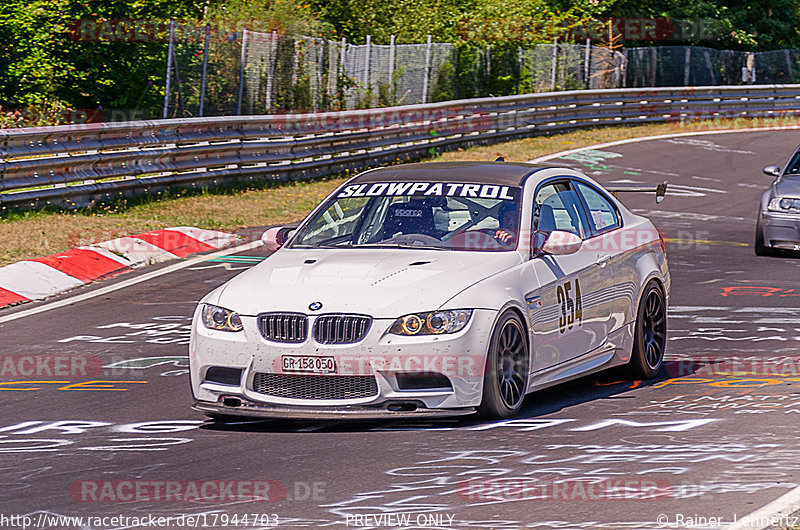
(308, 363)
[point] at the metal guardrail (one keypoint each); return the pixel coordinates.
(77, 165)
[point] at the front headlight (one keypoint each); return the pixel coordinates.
(784, 204)
(219, 318)
(433, 323)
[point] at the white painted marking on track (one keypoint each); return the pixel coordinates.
(681, 190)
(729, 309)
(708, 145)
(126, 283)
(560, 154)
(688, 215)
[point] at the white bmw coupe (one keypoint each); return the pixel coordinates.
(435, 289)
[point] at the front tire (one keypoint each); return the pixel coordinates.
(506, 371)
(650, 333)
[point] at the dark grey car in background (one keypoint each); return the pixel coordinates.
(778, 226)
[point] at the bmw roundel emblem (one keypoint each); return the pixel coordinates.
(315, 306)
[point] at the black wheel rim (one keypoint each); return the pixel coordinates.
(512, 364)
(654, 328)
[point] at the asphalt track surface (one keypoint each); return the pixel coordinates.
(714, 436)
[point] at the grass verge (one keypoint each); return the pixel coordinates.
(32, 234)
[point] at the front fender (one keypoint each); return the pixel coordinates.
(497, 291)
(765, 197)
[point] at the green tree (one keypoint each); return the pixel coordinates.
(44, 61)
(753, 25)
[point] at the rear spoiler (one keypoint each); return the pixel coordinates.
(659, 190)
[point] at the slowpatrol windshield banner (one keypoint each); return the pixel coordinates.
(430, 189)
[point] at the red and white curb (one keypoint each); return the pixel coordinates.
(42, 277)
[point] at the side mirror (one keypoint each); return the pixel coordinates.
(275, 237)
(557, 243)
(772, 171)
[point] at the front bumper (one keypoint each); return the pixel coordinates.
(781, 230)
(260, 410)
(379, 358)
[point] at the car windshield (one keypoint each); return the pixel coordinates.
(446, 216)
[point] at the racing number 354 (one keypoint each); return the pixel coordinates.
(571, 305)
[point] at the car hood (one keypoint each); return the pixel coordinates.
(787, 187)
(380, 283)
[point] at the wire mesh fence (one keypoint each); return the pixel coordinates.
(267, 73)
(252, 72)
(283, 73)
(324, 75)
(697, 66)
(203, 75)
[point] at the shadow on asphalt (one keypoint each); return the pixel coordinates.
(610, 384)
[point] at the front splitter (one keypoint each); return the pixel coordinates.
(257, 410)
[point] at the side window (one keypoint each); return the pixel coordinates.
(794, 165)
(338, 221)
(602, 214)
(557, 207)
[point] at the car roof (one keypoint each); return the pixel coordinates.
(499, 173)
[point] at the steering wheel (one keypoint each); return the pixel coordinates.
(424, 239)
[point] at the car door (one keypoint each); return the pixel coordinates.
(608, 246)
(565, 316)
